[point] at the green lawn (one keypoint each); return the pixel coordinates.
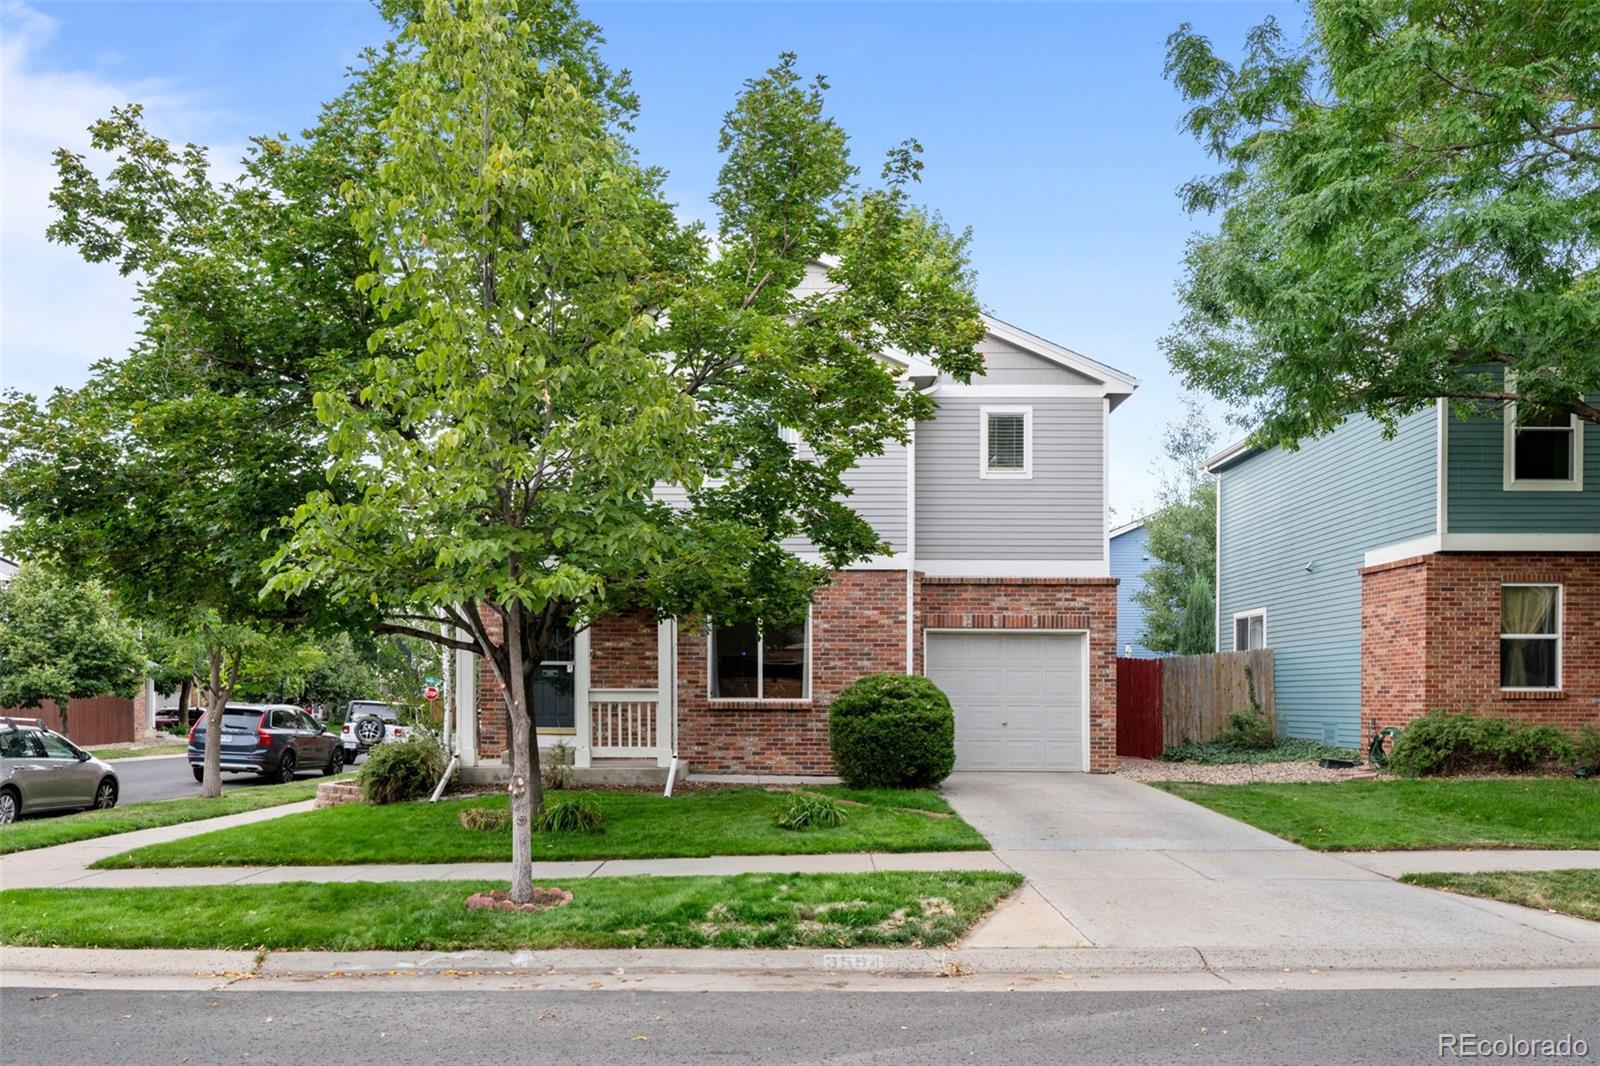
(637, 826)
(1570, 891)
(177, 747)
(747, 910)
(63, 829)
(1407, 815)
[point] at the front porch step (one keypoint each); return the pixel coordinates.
(623, 772)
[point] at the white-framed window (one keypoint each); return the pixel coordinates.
(1249, 630)
(1543, 451)
(747, 661)
(1005, 442)
(1530, 636)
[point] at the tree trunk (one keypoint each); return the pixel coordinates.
(216, 698)
(61, 709)
(526, 788)
(185, 691)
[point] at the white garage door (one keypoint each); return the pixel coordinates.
(1018, 698)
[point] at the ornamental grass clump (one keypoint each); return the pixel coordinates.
(808, 810)
(580, 814)
(407, 770)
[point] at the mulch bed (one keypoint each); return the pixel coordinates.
(500, 900)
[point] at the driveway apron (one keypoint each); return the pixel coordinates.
(1130, 866)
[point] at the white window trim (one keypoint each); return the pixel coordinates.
(1559, 636)
(1260, 612)
(983, 443)
(1509, 458)
(761, 653)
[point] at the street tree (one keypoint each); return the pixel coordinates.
(573, 405)
(167, 475)
(1408, 208)
(62, 640)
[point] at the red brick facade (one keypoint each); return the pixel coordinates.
(1042, 603)
(1430, 638)
(858, 627)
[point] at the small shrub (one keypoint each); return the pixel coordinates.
(1214, 753)
(580, 814)
(1444, 742)
(1586, 750)
(892, 731)
(555, 767)
(408, 770)
(486, 819)
(1248, 730)
(808, 810)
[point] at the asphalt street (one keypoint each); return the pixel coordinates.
(145, 780)
(45, 1027)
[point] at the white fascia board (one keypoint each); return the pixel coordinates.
(1227, 455)
(1115, 380)
(1128, 527)
(1483, 542)
(1014, 567)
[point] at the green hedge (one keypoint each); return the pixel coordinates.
(892, 731)
(1444, 742)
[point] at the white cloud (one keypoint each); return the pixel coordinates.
(59, 314)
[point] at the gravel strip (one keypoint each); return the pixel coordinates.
(1229, 774)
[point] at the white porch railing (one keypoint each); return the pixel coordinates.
(624, 722)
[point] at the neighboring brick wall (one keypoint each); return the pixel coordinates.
(1394, 644)
(492, 724)
(1042, 603)
(1454, 600)
(857, 628)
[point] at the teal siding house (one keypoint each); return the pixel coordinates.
(1454, 564)
(1130, 559)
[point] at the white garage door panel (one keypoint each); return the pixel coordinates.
(1018, 698)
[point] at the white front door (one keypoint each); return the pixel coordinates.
(1018, 697)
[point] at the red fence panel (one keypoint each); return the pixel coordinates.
(90, 722)
(1139, 707)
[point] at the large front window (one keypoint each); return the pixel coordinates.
(1530, 636)
(751, 662)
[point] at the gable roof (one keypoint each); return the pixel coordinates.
(1129, 527)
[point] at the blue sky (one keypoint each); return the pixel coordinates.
(1048, 129)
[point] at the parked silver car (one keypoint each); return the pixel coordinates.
(41, 770)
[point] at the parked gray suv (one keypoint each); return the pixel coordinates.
(41, 770)
(271, 739)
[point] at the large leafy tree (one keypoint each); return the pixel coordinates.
(62, 640)
(1409, 206)
(168, 474)
(574, 405)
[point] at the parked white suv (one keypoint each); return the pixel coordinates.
(368, 723)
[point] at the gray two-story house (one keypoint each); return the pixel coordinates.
(998, 587)
(1455, 565)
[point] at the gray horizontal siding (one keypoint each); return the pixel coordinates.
(1479, 502)
(1057, 514)
(1006, 364)
(878, 494)
(1322, 507)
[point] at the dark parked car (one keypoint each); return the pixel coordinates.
(41, 770)
(270, 739)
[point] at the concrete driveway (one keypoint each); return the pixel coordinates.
(1129, 866)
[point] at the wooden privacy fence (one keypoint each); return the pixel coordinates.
(101, 720)
(1139, 707)
(1190, 696)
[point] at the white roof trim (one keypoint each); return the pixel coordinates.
(1116, 381)
(1227, 455)
(1128, 527)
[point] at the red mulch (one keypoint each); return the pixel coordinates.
(500, 900)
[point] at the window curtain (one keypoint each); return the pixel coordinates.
(1528, 609)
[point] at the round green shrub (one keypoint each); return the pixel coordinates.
(892, 731)
(397, 772)
(1444, 742)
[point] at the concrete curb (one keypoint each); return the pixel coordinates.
(1578, 961)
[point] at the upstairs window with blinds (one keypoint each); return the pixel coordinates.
(1006, 442)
